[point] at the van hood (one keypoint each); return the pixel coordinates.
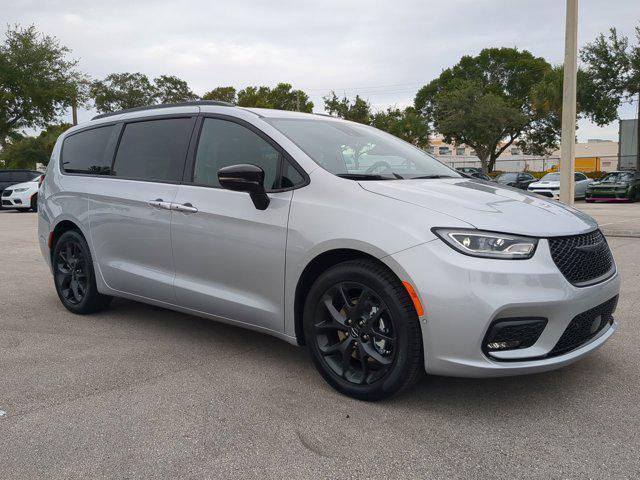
(487, 205)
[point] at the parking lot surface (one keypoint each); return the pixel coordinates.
(615, 219)
(142, 392)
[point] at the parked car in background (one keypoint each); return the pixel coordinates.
(262, 219)
(473, 172)
(469, 170)
(616, 186)
(22, 196)
(520, 180)
(11, 177)
(549, 185)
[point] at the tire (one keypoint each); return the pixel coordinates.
(380, 354)
(34, 202)
(73, 275)
(22, 210)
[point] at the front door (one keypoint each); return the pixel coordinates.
(229, 256)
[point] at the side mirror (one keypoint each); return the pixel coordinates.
(245, 178)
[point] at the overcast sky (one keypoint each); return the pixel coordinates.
(385, 51)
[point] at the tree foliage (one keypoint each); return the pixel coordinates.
(171, 89)
(128, 90)
(612, 69)
(486, 102)
(222, 94)
(406, 124)
(358, 110)
(37, 81)
(281, 97)
(27, 151)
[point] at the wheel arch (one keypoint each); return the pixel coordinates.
(61, 227)
(321, 263)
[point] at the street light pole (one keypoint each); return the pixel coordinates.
(567, 160)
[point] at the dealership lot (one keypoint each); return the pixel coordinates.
(139, 391)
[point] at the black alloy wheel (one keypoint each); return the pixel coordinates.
(73, 275)
(362, 330)
(354, 333)
(71, 272)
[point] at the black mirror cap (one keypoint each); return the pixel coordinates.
(245, 178)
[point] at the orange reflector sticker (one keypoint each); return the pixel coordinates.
(414, 298)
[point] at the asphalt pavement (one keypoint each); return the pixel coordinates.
(142, 392)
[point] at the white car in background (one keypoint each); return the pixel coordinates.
(22, 196)
(549, 185)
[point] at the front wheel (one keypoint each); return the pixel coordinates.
(74, 276)
(34, 202)
(362, 330)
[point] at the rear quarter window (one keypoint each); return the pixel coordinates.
(89, 151)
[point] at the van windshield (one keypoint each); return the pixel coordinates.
(360, 152)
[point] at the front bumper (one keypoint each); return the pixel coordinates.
(17, 200)
(545, 192)
(463, 295)
(608, 195)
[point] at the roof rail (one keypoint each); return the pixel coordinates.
(164, 105)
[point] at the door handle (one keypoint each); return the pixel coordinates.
(184, 207)
(159, 203)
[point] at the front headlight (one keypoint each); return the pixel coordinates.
(488, 244)
(18, 190)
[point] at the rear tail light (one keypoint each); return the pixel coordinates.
(41, 180)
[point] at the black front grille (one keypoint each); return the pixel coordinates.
(6, 193)
(583, 259)
(585, 326)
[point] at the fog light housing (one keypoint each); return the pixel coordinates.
(513, 333)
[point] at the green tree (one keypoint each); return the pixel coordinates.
(37, 81)
(223, 94)
(256, 97)
(612, 66)
(171, 89)
(128, 90)
(357, 110)
(486, 102)
(281, 97)
(27, 151)
(406, 124)
(122, 90)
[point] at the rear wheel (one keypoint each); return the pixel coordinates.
(362, 331)
(74, 276)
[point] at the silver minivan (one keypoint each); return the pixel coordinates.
(384, 262)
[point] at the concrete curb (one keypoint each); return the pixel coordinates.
(620, 233)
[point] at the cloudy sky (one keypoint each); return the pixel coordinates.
(382, 50)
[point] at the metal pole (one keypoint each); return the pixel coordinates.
(567, 161)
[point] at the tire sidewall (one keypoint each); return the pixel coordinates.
(397, 376)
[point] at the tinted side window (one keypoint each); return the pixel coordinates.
(290, 176)
(224, 143)
(579, 176)
(4, 177)
(153, 149)
(90, 151)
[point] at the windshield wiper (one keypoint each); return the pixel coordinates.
(432, 176)
(363, 176)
